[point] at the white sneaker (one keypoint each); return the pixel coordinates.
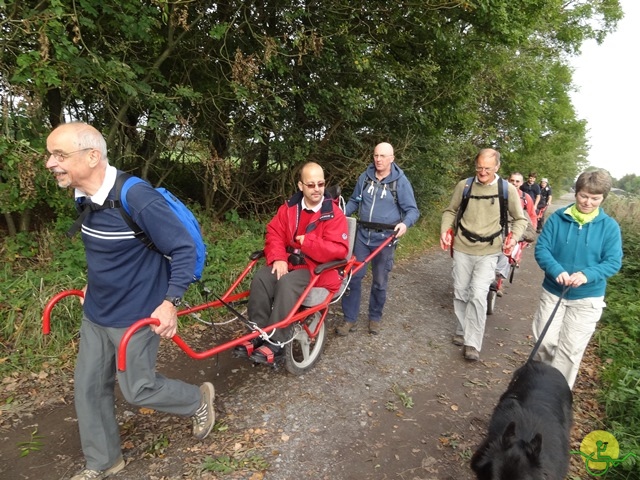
(205, 416)
(88, 474)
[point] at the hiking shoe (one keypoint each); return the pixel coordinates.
(470, 353)
(458, 340)
(345, 327)
(87, 473)
(205, 417)
(374, 327)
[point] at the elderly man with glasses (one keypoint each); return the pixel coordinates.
(126, 281)
(308, 230)
(477, 245)
(384, 200)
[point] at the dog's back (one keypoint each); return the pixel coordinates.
(528, 436)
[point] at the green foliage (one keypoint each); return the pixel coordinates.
(34, 444)
(226, 464)
(618, 338)
(205, 94)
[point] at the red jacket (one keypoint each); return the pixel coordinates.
(325, 240)
(527, 206)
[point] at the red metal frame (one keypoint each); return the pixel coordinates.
(350, 266)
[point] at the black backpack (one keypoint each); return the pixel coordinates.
(503, 196)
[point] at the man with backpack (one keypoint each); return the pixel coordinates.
(126, 282)
(475, 225)
(384, 201)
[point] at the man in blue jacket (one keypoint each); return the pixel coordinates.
(126, 282)
(382, 196)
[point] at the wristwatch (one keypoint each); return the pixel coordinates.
(176, 301)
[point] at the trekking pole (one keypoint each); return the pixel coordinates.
(548, 324)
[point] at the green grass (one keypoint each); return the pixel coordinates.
(618, 337)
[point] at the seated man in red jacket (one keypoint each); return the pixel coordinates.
(308, 230)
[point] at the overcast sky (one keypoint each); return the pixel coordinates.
(609, 95)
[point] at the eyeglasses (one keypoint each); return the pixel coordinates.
(61, 157)
(484, 169)
(314, 185)
(377, 155)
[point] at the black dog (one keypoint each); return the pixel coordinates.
(529, 432)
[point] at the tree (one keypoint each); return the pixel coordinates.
(226, 100)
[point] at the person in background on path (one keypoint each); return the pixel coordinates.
(546, 195)
(516, 179)
(126, 282)
(533, 189)
(382, 196)
(477, 245)
(308, 230)
(580, 247)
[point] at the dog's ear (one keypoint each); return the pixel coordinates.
(536, 447)
(509, 435)
(481, 462)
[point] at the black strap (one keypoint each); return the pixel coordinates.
(86, 206)
(548, 324)
(376, 226)
(472, 237)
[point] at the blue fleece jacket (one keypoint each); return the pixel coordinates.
(595, 249)
(126, 280)
(374, 202)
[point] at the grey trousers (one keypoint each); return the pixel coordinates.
(141, 385)
(271, 300)
(472, 277)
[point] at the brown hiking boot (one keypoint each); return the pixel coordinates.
(374, 327)
(345, 327)
(470, 353)
(458, 340)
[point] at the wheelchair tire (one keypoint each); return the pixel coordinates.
(303, 352)
(512, 272)
(491, 301)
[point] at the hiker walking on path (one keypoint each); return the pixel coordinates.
(476, 223)
(126, 281)
(383, 196)
(580, 247)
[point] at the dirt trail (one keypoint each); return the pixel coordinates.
(400, 405)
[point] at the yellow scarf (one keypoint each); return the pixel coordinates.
(580, 217)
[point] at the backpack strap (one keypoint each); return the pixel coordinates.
(466, 193)
(124, 181)
(85, 206)
(503, 196)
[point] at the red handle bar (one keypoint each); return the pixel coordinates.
(46, 315)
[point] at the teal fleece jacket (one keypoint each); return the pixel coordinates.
(595, 249)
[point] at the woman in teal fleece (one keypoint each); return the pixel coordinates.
(580, 247)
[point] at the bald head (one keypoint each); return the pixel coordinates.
(312, 183)
(77, 157)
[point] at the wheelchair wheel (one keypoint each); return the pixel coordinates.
(491, 301)
(303, 352)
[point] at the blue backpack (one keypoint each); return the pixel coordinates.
(124, 182)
